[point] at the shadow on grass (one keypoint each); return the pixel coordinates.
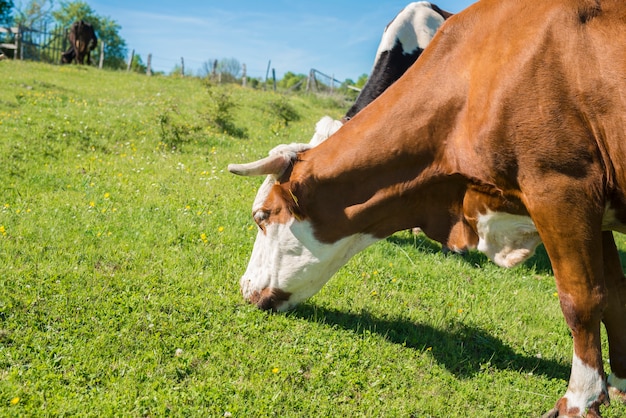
(463, 350)
(539, 261)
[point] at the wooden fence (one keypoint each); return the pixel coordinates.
(31, 44)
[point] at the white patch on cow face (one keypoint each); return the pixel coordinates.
(586, 386)
(505, 238)
(287, 257)
(414, 27)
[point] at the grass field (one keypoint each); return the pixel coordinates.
(122, 240)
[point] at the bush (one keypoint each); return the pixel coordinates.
(220, 109)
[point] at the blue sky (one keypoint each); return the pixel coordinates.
(335, 37)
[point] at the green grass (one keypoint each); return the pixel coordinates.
(122, 240)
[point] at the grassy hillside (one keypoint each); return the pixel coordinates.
(122, 240)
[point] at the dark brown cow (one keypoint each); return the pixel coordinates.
(83, 40)
(511, 127)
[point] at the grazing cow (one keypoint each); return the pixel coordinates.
(83, 40)
(403, 41)
(513, 123)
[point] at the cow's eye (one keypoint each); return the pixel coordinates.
(260, 217)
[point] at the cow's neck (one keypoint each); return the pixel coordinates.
(381, 176)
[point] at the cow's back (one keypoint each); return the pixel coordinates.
(532, 101)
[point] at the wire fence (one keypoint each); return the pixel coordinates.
(25, 43)
(48, 46)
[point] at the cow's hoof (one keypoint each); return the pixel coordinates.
(617, 395)
(617, 388)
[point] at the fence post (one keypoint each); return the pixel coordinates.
(18, 43)
(182, 66)
(130, 61)
(267, 74)
(149, 65)
(244, 77)
(101, 63)
(274, 77)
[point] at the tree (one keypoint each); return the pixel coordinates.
(137, 64)
(5, 12)
(208, 68)
(229, 66)
(107, 30)
(361, 81)
(292, 81)
(115, 50)
(34, 14)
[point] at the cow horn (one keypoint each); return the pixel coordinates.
(274, 164)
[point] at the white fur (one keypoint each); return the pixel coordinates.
(585, 386)
(414, 26)
(505, 238)
(324, 128)
(288, 257)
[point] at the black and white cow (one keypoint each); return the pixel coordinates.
(403, 41)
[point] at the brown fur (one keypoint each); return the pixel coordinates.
(83, 40)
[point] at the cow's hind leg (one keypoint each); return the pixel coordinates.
(614, 317)
(576, 258)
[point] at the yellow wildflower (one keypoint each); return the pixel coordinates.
(220, 229)
(15, 401)
(275, 370)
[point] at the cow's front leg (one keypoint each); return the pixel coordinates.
(614, 317)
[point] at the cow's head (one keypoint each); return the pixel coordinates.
(288, 262)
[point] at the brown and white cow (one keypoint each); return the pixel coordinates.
(512, 123)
